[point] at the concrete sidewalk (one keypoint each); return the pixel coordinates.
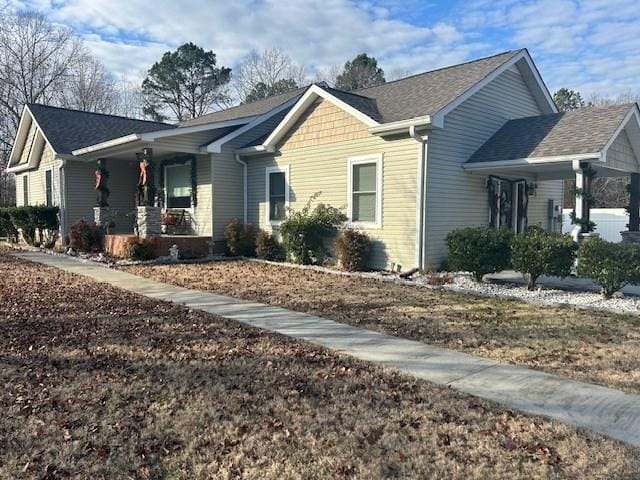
(608, 411)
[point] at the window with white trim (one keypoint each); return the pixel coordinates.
(365, 190)
(277, 193)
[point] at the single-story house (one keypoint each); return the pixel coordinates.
(479, 143)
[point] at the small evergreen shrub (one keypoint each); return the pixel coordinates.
(85, 236)
(537, 252)
(30, 219)
(141, 250)
(6, 225)
(479, 250)
(305, 233)
(353, 249)
(241, 238)
(268, 247)
(610, 265)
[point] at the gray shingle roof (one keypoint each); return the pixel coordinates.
(567, 133)
(246, 110)
(69, 130)
(427, 93)
(415, 96)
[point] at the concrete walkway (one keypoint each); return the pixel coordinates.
(601, 409)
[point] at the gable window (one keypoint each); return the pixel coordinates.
(277, 189)
(365, 190)
(25, 189)
(48, 187)
(178, 185)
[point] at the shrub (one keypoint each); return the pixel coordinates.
(268, 247)
(241, 239)
(85, 236)
(353, 249)
(479, 250)
(29, 219)
(305, 233)
(141, 250)
(610, 265)
(537, 252)
(6, 225)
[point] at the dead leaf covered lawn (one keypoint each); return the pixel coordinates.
(586, 345)
(103, 384)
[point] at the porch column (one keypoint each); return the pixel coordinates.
(147, 214)
(583, 194)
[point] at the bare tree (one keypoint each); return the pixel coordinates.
(266, 71)
(90, 87)
(600, 100)
(35, 60)
(328, 75)
(397, 74)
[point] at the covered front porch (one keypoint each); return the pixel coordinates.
(579, 146)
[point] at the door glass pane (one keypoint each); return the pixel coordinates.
(364, 177)
(277, 196)
(364, 207)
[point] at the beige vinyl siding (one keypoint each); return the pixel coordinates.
(455, 198)
(317, 152)
(620, 155)
(24, 155)
(538, 210)
(228, 189)
(37, 189)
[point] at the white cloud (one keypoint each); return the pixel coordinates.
(584, 44)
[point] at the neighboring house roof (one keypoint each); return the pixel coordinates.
(427, 93)
(68, 130)
(251, 109)
(583, 131)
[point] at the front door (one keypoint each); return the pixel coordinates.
(508, 202)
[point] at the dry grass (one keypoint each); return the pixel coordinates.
(100, 383)
(586, 345)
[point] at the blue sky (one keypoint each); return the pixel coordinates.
(592, 46)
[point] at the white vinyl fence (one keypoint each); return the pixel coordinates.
(609, 222)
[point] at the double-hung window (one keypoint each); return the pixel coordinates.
(365, 190)
(277, 193)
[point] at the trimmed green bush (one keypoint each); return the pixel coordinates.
(29, 219)
(268, 247)
(537, 252)
(353, 249)
(85, 236)
(6, 225)
(305, 233)
(610, 265)
(241, 238)
(479, 250)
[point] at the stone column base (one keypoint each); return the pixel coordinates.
(102, 216)
(148, 221)
(630, 237)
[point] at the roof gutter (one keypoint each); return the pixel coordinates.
(518, 162)
(401, 126)
(108, 144)
(255, 150)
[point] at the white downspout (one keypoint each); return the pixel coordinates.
(420, 197)
(244, 187)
